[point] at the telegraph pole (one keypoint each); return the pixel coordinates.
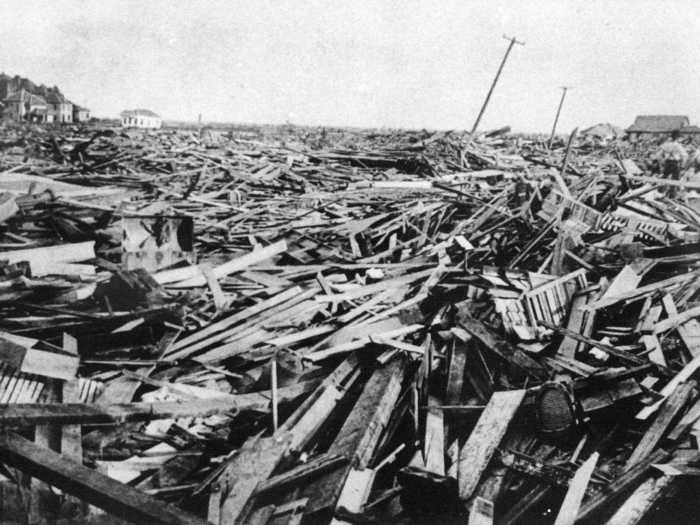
(513, 41)
(556, 119)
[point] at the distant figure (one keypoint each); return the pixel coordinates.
(671, 159)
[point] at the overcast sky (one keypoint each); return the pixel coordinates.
(362, 63)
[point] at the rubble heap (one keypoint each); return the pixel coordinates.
(293, 325)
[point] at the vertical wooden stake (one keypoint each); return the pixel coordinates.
(273, 386)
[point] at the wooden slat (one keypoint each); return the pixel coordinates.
(97, 489)
(476, 453)
(577, 489)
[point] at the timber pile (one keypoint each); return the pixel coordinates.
(315, 326)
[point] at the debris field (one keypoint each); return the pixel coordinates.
(302, 325)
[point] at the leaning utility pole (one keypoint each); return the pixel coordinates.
(513, 41)
(556, 119)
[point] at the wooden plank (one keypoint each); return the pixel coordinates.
(227, 322)
(691, 184)
(633, 510)
(374, 288)
(603, 397)
(306, 420)
(192, 276)
(685, 324)
(504, 350)
(214, 287)
(28, 414)
(224, 329)
(625, 281)
(307, 470)
(620, 354)
(455, 374)
(652, 347)
(638, 292)
(577, 490)
(686, 423)
(361, 341)
(434, 446)
(360, 434)
(674, 404)
(569, 346)
(295, 433)
(686, 372)
(477, 452)
(675, 319)
(19, 353)
(355, 493)
(97, 489)
(254, 463)
(625, 482)
(43, 260)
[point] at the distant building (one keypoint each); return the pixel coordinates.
(140, 118)
(657, 125)
(603, 131)
(60, 109)
(22, 105)
(80, 114)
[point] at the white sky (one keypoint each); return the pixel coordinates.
(362, 63)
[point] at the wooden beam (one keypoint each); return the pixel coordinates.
(641, 501)
(686, 372)
(494, 344)
(192, 276)
(638, 292)
(45, 259)
(611, 350)
(477, 452)
(674, 404)
(577, 490)
(434, 446)
(625, 482)
(19, 353)
(455, 375)
(360, 434)
(89, 485)
(27, 414)
(254, 463)
(312, 468)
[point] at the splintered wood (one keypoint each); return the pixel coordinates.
(268, 325)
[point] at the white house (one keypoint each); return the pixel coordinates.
(140, 118)
(60, 109)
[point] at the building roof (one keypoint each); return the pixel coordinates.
(36, 100)
(658, 123)
(54, 97)
(25, 96)
(138, 113)
(690, 129)
(76, 107)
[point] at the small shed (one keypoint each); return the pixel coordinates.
(657, 125)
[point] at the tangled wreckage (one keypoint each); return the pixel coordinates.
(296, 325)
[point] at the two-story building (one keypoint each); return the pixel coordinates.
(23, 105)
(60, 109)
(140, 118)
